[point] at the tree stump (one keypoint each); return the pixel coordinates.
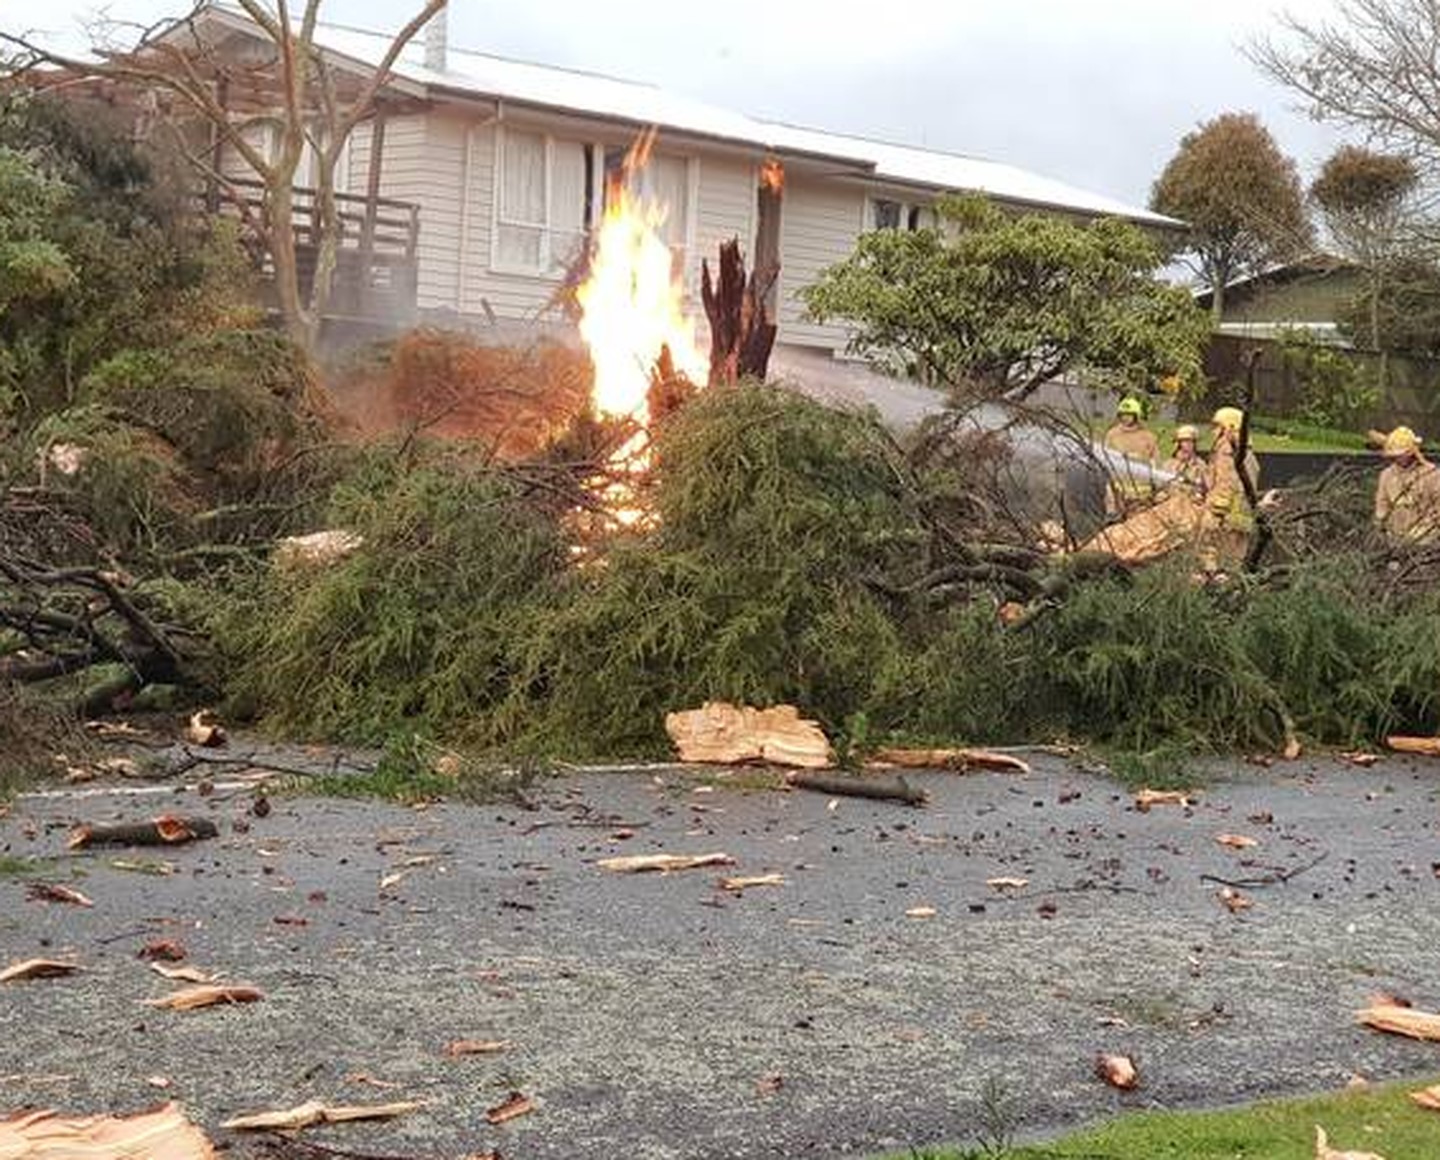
(742, 328)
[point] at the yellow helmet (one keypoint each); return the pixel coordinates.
(1185, 431)
(1230, 418)
(1130, 405)
(1401, 441)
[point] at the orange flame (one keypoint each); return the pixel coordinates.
(772, 175)
(632, 303)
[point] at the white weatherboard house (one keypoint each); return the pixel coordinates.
(507, 162)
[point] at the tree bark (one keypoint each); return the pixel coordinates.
(742, 333)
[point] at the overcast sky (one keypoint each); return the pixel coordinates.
(1094, 92)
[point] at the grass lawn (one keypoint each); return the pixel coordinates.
(1266, 434)
(1381, 1120)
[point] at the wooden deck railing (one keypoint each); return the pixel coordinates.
(376, 265)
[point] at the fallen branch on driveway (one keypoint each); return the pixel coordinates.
(879, 789)
(1278, 878)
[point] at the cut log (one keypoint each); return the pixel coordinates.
(166, 830)
(1423, 746)
(1404, 1021)
(961, 759)
(723, 734)
(878, 789)
(162, 1134)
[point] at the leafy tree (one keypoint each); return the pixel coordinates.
(1241, 197)
(995, 304)
(88, 203)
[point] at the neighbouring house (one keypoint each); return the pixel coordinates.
(1307, 295)
(493, 171)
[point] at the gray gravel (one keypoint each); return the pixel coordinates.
(657, 1017)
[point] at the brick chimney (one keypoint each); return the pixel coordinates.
(437, 41)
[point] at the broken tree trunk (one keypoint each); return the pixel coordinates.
(878, 789)
(742, 330)
(166, 830)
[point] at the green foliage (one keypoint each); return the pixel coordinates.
(1240, 196)
(1398, 311)
(783, 569)
(999, 303)
(1334, 389)
(419, 626)
(92, 203)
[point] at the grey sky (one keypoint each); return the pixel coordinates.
(1094, 92)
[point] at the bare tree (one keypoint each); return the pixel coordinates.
(1373, 67)
(289, 84)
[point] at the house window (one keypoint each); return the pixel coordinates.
(887, 214)
(541, 207)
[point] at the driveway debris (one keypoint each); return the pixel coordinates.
(463, 1047)
(725, 734)
(663, 863)
(1421, 746)
(194, 998)
(960, 759)
(165, 830)
(53, 892)
(37, 969)
(1147, 799)
(1401, 1021)
(1119, 1071)
(314, 1112)
(517, 1105)
(161, 1134)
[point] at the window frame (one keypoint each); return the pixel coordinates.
(595, 150)
(908, 209)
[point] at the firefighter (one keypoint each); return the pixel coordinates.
(1407, 496)
(1132, 439)
(1186, 464)
(1227, 522)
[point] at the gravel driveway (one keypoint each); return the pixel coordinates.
(654, 1017)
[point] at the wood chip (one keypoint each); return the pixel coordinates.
(648, 863)
(194, 998)
(756, 880)
(315, 1112)
(1423, 746)
(920, 912)
(37, 969)
(1402, 1021)
(726, 734)
(204, 729)
(517, 1105)
(1234, 901)
(1118, 1071)
(462, 1047)
(1237, 841)
(1362, 759)
(161, 1134)
(1323, 1151)
(1428, 1098)
(54, 892)
(183, 974)
(1007, 883)
(1147, 799)
(960, 759)
(163, 950)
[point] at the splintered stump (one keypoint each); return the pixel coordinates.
(742, 329)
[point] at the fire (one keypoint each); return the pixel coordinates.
(632, 304)
(772, 175)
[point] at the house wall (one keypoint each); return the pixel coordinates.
(1319, 297)
(819, 226)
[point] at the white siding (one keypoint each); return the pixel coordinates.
(424, 163)
(725, 209)
(819, 226)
